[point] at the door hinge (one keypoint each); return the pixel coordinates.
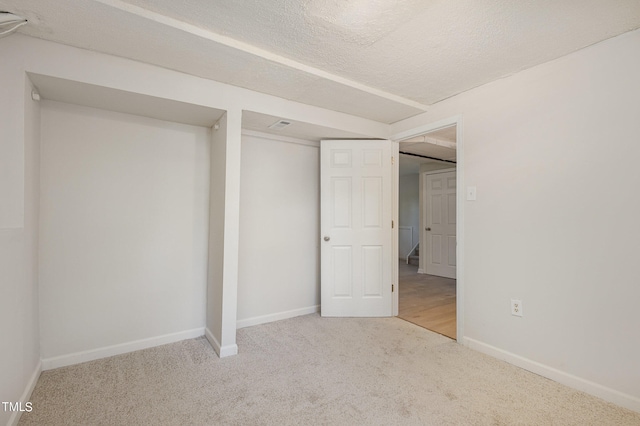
(392, 288)
(392, 160)
(392, 224)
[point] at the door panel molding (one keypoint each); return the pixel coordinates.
(356, 228)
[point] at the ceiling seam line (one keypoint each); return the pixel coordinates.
(256, 51)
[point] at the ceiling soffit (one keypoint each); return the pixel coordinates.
(110, 99)
(119, 28)
(386, 63)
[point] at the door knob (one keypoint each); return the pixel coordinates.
(327, 238)
(427, 229)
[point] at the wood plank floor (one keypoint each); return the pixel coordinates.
(427, 300)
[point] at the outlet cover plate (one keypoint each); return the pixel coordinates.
(471, 193)
(516, 307)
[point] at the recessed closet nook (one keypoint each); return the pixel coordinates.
(131, 201)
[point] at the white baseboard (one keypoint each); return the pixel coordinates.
(277, 316)
(228, 350)
(222, 351)
(212, 340)
(26, 395)
(421, 271)
(123, 348)
(595, 389)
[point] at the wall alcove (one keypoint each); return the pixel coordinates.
(125, 191)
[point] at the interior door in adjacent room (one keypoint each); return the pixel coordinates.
(356, 228)
(440, 220)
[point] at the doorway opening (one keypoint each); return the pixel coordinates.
(427, 231)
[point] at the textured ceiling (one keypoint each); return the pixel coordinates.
(383, 59)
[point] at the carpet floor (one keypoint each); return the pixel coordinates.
(313, 371)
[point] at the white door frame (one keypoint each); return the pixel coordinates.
(417, 131)
(395, 215)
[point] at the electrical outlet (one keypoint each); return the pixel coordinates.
(516, 307)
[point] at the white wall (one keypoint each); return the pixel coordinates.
(409, 207)
(216, 233)
(29, 306)
(124, 224)
(20, 346)
(532, 143)
(17, 201)
(279, 273)
(554, 224)
(224, 217)
(12, 164)
(30, 55)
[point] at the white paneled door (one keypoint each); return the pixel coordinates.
(356, 214)
(440, 220)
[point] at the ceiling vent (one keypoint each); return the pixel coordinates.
(280, 124)
(10, 22)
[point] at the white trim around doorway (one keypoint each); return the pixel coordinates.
(418, 131)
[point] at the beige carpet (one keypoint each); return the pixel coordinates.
(310, 370)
